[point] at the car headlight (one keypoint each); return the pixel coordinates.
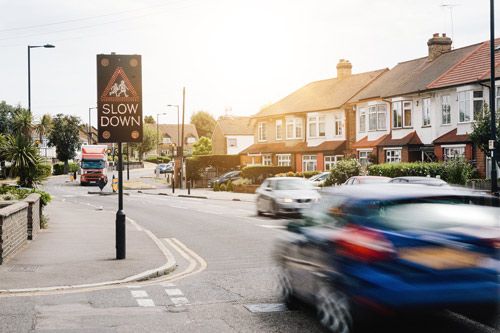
(286, 200)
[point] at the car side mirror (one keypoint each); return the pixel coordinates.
(269, 189)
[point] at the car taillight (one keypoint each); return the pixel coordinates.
(364, 244)
(493, 243)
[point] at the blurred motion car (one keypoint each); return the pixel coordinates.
(285, 195)
(164, 168)
(228, 176)
(389, 249)
(356, 180)
(320, 178)
(419, 180)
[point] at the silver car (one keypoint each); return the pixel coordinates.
(285, 195)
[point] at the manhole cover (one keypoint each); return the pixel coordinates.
(266, 307)
(24, 268)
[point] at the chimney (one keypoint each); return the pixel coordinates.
(344, 69)
(438, 45)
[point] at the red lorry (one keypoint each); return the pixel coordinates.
(93, 164)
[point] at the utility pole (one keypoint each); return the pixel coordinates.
(493, 138)
(182, 136)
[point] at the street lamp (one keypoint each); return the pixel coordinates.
(178, 124)
(493, 137)
(47, 46)
(158, 133)
(90, 126)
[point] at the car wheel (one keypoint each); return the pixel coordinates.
(257, 204)
(275, 210)
(286, 289)
(334, 310)
(485, 314)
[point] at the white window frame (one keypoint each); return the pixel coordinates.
(453, 151)
(296, 126)
(362, 120)
(364, 156)
(279, 129)
(397, 115)
(376, 111)
(445, 110)
(229, 142)
(309, 162)
(464, 106)
(316, 126)
(477, 99)
(393, 155)
(426, 112)
(190, 140)
(262, 135)
(338, 130)
(407, 107)
(267, 159)
(498, 97)
(331, 160)
(284, 159)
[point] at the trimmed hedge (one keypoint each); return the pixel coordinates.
(22, 193)
(58, 168)
(305, 174)
(342, 171)
(223, 163)
(158, 159)
(260, 172)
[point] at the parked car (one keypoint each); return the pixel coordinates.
(285, 195)
(356, 180)
(320, 178)
(228, 176)
(390, 249)
(164, 168)
(419, 180)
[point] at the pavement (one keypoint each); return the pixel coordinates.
(78, 248)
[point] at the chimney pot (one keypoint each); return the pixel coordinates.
(344, 69)
(438, 45)
(435, 35)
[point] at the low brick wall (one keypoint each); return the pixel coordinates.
(13, 230)
(34, 214)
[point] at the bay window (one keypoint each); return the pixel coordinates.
(284, 159)
(309, 163)
(377, 117)
(294, 128)
(362, 120)
(426, 112)
(262, 135)
(445, 110)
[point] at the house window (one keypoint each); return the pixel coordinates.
(393, 155)
(166, 140)
(464, 106)
(294, 128)
(377, 117)
(478, 103)
(406, 114)
(231, 142)
(262, 132)
(362, 120)
(309, 163)
(316, 126)
(284, 159)
(330, 161)
(279, 129)
(498, 98)
(364, 157)
(445, 110)
(426, 112)
(397, 115)
(191, 140)
(339, 125)
(450, 153)
(267, 159)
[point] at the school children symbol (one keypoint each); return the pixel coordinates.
(119, 88)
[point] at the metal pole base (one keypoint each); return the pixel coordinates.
(120, 234)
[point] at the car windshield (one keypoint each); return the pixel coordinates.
(162, 165)
(437, 216)
(93, 164)
(293, 184)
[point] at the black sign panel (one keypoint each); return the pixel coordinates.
(119, 98)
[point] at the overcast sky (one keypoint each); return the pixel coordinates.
(229, 54)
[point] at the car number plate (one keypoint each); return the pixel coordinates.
(441, 258)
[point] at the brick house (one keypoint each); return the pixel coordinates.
(169, 135)
(311, 128)
(232, 135)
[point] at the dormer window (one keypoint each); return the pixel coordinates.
(191, 139)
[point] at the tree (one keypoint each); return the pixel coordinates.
(6, 112)
(480, 135)
(22, 122)
(149, 120)
(43, 128)
(203, 146)
(149, 141)
(204, 123)
(64, 136)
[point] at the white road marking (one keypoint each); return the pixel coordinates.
(270, 226)
(178, 301)
(137, 227)
(134, 287)
(167, 284)
(145, 302)
(139, 293)
(174, 292)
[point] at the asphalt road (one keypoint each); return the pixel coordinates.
(226, 266)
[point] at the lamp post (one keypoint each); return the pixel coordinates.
(178, 124)
(47, 46)
(493, 138)
(90, 125)
(158, 133)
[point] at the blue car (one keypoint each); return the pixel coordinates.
(390, 249)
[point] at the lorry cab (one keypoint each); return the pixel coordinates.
(94, 163)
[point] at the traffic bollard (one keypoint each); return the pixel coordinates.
(173, 185)
(189, 187)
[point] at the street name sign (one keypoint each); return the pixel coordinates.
(119, 98)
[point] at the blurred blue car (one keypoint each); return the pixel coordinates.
(388, 249)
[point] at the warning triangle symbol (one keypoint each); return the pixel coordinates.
(119, 88)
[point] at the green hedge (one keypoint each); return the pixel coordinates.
(58, 168)
(197, 164)
(342, 171)
(305, 174)
(158, 159)
(44, 170)
(260, 172)
(21, 193)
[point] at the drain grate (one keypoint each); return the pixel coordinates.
(266, 307)
(24, 268)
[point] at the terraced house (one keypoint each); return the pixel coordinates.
(311, 128)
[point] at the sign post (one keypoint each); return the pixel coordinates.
(119, 117)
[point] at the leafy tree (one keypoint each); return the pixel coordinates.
(203, 146)
(6, 112)
(480, 135)
(204, 123)
(342, 171)
(22, 122)
(149, 141)
(64, 136)
(43, 128)
(149, 120)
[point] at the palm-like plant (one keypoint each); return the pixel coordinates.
(22, 122)
(25, 159)
(43, 128)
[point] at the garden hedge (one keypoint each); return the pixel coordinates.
(197, 164)
(260, 172)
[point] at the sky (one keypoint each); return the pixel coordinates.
(232, 56)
